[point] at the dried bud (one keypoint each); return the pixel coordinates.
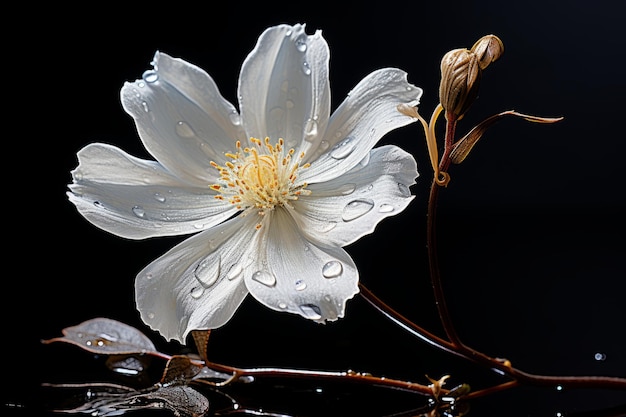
(488, 49)
(460, 77)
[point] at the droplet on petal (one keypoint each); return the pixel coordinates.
(235, 118)
(310, 130)
(342, 149)
(301, 43)
(208, 270)
(356, 209)
(385, 208)
(327, 227)
(300, 285)
(346, 189)
(404, 190)
(332, 269)
(196, 292)
(311, 311)
(306, 68)
(184, 130)
(139, 211)
(150, 76)
(234, 272)
(264, 278)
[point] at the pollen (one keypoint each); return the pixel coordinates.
(260, 177)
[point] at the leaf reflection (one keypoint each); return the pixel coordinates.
(105, 400)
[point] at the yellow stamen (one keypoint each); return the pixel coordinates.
(260, 177)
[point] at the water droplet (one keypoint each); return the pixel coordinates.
(282, 305)
(404, 190)
(184, 130)
(159, 198)
(310, 130)
(385, 208)
(208, 270)
(342, 149)
(356, 209)
(145, 106)
(235, 118)
(139, 212)
(599, 356)
(277, 113)
(300, 285)
(332, 269)
(306, 68)
(311, 311)
(150, 76)
(347, 189)
(234, 272)
(324, 145)
(196, 292)
(264, 278)
(141, 84)
(301, 43)
(78, 176)
(327, 227)
(288, 33)
(365, 160)
(151, 315)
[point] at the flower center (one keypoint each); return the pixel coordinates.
(260, 177)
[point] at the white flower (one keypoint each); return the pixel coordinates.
(275, 190)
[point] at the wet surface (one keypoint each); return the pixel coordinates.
(531, 225)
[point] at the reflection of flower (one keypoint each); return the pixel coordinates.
(309, 185)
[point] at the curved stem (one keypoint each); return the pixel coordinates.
(431, 237)
(351, 376)
(454, 344)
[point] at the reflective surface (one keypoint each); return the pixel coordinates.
(531, 226)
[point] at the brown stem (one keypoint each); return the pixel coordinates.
(431, 237)
(350, 376)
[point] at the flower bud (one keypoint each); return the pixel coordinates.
(460, 77)
(488, 49)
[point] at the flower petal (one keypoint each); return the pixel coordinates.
(136, 199)
(199, 283)
(182, 119)
(300, 276)
(283, 88)
(342, 210)
(366, 115)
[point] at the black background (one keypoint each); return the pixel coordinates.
(531, 227)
